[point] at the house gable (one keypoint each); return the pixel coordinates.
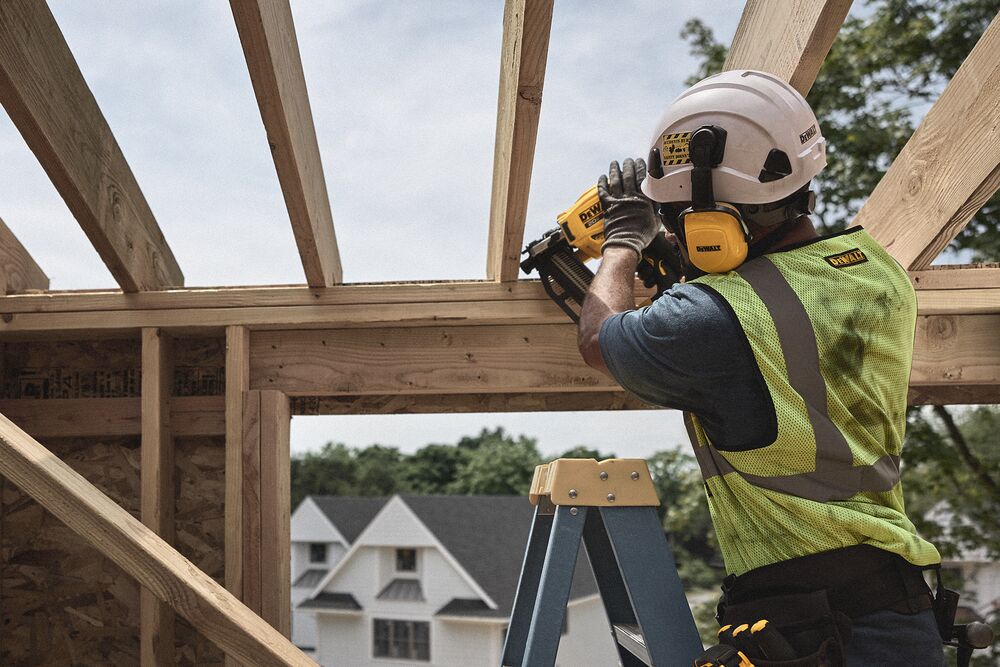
(311, 524)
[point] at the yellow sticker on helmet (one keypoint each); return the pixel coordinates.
(674, 148)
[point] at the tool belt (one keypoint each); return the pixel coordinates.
(813, 599)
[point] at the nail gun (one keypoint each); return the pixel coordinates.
(560, 255)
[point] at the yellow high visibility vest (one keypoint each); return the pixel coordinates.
(831, 326)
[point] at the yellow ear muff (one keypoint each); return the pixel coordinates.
(716, 239)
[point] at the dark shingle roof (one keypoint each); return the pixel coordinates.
(332, 601)
(350, 514)
(402, 589)
(487, 536)
(309, 579)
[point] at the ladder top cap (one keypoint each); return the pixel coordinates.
(590, 483)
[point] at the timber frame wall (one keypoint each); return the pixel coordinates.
(165, 410)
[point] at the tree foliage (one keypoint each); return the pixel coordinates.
(889, 62)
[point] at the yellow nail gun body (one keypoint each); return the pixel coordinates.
(560, 255)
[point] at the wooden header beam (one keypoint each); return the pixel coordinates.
(267, 32)
(948, 168)
(156, 565)
(526, 28)
(788, 38)
(47, 98)
(18, 271)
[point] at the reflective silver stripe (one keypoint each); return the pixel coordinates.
(835, 477)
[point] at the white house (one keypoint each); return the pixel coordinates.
(323, 529)
(431, 581)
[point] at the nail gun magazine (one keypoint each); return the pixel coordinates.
(561, 254)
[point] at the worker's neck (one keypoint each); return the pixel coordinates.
(798, 232)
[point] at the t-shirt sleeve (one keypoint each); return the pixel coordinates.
(678, 352)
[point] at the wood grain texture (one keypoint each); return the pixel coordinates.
(956, 277)
(449, 403)
(428, 360)
(957, 351)
(237, 384)
(252, 508)
(140, 552)
(99, 417)
(787, 38)
(49, 102)
(276, 510)
(525, 48)
(948, 168)
(156, 619)
(267, 33)
(18, 270)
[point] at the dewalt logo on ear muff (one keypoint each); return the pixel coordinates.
(717, 240)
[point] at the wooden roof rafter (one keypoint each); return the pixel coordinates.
(49, 102)
(267, 32)
(526, 28)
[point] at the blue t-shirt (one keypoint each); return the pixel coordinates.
(688, 351)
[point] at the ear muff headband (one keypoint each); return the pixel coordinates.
(716, 237)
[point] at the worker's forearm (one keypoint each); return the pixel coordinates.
(612, 291)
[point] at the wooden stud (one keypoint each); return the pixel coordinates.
(396, 404)
(18, 271)
(110, 529)
(276, 510)
(252, 508)
(49, 102)
(526, 28)
(237, 384)
(156, 620)
(787, 38)
(267, 33)
(948, 168)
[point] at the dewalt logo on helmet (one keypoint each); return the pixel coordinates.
(845, 259)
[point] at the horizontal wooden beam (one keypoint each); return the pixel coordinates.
(788, 38)
(49, 102)
(396, 404)
(525, 48)
(141, 553)
(950, 351)
(344, 306)
(948, 168)
(267, 33)
(18, 270)
(103, 417)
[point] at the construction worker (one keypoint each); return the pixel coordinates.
(790, 354)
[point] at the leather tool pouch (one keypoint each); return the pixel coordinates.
(816, 632)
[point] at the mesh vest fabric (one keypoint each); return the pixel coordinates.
(830, 478)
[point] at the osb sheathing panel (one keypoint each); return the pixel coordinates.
(61, 602)
(200, 524)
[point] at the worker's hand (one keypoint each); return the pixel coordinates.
(630, 218)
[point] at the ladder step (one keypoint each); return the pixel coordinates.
(631, 639)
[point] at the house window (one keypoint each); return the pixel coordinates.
(317, 552)
(410, 640)
(406, 560)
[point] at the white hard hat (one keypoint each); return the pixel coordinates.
(773, 144)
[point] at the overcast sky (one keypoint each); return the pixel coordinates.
(404, 98)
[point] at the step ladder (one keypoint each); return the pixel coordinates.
(611, 506)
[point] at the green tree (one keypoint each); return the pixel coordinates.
(332, 470)
(497, 464)
(433, 468)
(888, 63)
(584, 452)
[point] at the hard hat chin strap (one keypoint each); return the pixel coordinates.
(791, 208)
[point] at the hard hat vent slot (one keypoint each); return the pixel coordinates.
(776, 166)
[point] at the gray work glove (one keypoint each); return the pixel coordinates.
(630, 219)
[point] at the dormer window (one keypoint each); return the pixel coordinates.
(406, 560)
(317, 552)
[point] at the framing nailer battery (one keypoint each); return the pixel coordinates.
(560, 255)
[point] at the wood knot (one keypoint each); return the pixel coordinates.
(941, 327)
(530, 94)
